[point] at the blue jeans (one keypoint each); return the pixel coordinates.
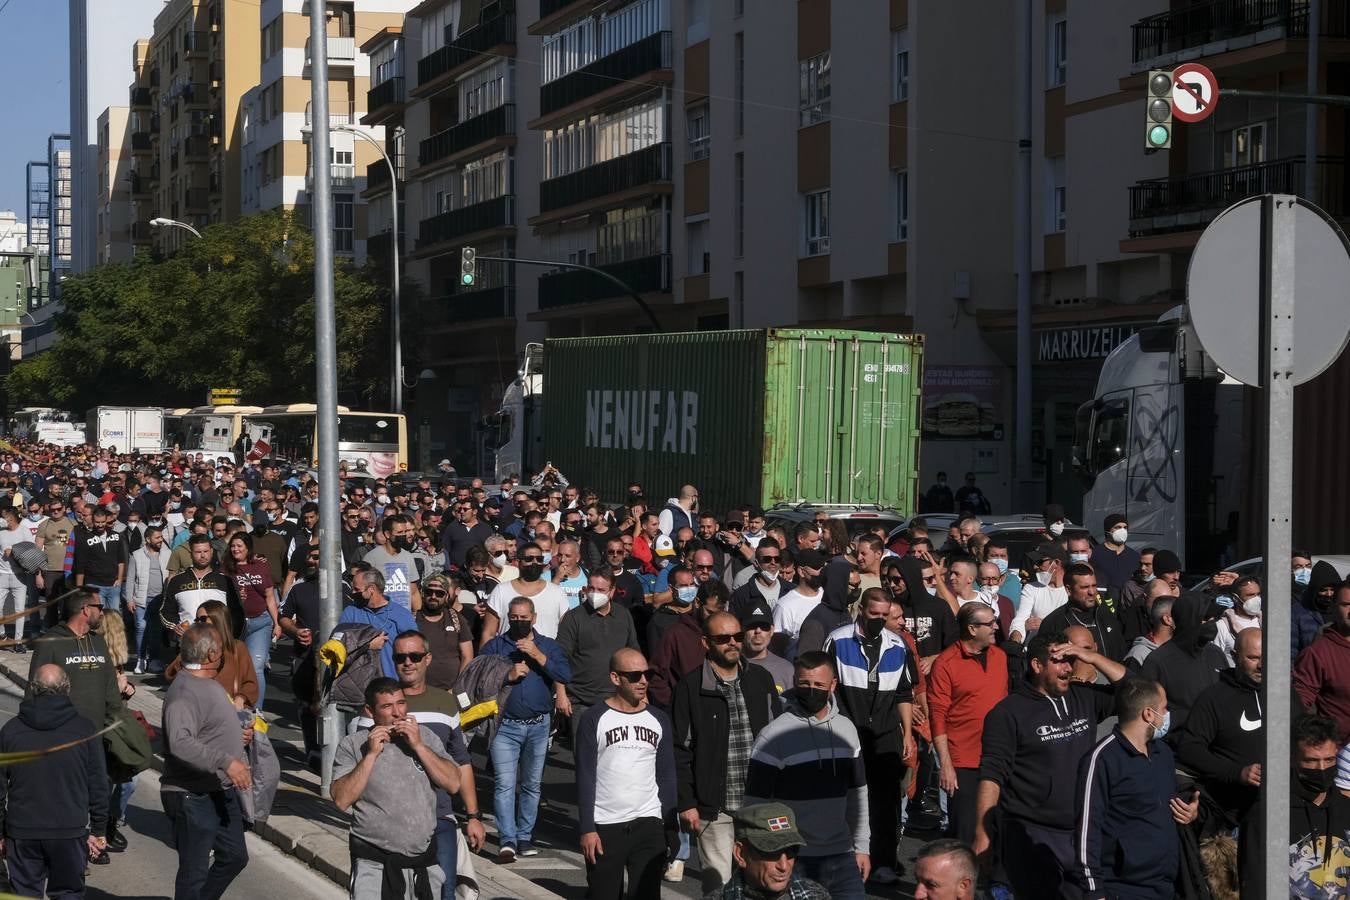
(138, 648)
(838, 874)
(108, 595)
(522, 745)
(121, 799)
(447, 845)
(258, 640)
(203, 823)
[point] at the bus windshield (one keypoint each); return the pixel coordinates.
(358, 429)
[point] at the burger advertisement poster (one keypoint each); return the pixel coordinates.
(962, 403)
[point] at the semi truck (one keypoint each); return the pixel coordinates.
(1175, 445)
(751, 417)
(129, 429)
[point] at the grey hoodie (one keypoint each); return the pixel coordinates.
(815, 767)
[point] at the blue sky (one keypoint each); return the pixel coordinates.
(35, 69)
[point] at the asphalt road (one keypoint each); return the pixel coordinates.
(145, 871)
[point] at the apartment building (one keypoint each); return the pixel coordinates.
(112, 198)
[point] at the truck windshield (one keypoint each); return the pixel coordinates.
(1110, 432)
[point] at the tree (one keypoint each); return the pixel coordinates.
(233, 308)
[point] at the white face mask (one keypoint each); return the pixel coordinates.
(1079, 557)
(499, 560)
(931, 589)
(1252, 605)
(597, 599)
(1119, 535)
(1056, 528)
(1042, 578)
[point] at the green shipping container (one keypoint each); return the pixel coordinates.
(749, 417)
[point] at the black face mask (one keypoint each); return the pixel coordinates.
(815, 581)
(812, 700)
(403, 543)
(1312, 782)
(854, 594)
(530, 572)
(518, 630)
(872, 628)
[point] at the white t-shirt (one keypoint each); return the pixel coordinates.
(791, 611)
(620, 754)
(7, 541)
(31, 528)
(550, 605)
(1038, 602)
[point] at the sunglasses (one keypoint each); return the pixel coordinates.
(722, 640)
(704, 568)
(532, 559)
(401, 658)
(635, 677)
(765, 560)
(432, 593)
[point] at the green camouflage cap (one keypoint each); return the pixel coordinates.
(768, 827)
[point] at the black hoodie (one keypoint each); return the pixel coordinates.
(60, 795)
(1223, 735)
(93, 680)
(1189, 662)
(1032, 746)
(928, 618)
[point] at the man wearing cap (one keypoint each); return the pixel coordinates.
(1043, 596)
(758, 624)
(793, 607)
(765, 856)
(1114, 561)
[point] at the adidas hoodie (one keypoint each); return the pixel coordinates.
(815, 767)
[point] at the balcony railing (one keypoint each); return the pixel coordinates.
(139, 186)
(337, 114)
(1205, 22)
(491, 32)
(647, 274)
(196, 200)
(649, 54)
(341, 51)
(196, 148)
(651, 164)
(140, 96)
(196, 42)
(1190, 202)
(387, 92)
(500, 212)
(469, 306)
(469, 133)
(549, 7)
(140, 141)
(216, 71)
(195, 94)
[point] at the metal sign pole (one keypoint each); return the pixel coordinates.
(1277, 400)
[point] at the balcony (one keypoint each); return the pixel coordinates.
(337, 115)
(647, 274)
(389, 92)
(140, 142)
(493, 32)
(343, 177)
(1190, 202)
(196, 43)
(196, 149)
(499, 212)
(469, 306)
(140, 97)
(196, 200)
(140, 232)
(215, 70)
(623, 173)
(470, 133)
(624, 65)
(1214, 26)
(377, 176)
(140, 187)
(341, 51)
(195, 94)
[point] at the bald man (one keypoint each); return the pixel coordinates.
(1087, 673)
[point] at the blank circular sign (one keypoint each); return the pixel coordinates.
(1223, 288)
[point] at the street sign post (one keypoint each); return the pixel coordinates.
(1243, 307)
(1195, 92)
(224, 396)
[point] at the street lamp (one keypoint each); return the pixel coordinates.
(396, 325)
(162, 222)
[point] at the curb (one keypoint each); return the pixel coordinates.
(318, 848)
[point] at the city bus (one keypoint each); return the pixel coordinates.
(211, 430)
(45, 425)
(374, 442)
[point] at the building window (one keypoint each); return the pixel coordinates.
(899, 205)
(899, 65)
(485, 179)
(484, 90)
(740, 83)
(817, 222)
(1245, 146)
(815, 89)
(696, 242)
(603, 137)
(1056, 195)
(342, 223)
(740, 205)
(1057, 45)
(567, 50)
(629, 24)
(699, 138)
(629, 233)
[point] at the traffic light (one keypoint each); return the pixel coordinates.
(1158, 122)
(467, 266)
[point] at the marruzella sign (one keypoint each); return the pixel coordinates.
(1068, 344)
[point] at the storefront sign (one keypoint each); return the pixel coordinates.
(1068, 344)
(962, 402)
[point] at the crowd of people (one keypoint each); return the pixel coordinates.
(785, 701)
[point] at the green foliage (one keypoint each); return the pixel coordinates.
(233, 309)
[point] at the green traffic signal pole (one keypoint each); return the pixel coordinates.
(553, 264)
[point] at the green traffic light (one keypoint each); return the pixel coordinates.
(1158, 135)
(467, 279)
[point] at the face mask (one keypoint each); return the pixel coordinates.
(1160, 731)
(175, 506)
(1252, 605)
(686, 594)
(1119, 535)
(1316, 781)
(872, 628)
(815, 581)
(403, 543)
(596, 599)
(518, 630)
(854, 594)
(1056, 528)
(931, 589)
(1042, 578)
(499, 560)
(812, 700)
(1079, 557)
(548, 558)
(530, 571)
(1303, 576)
(1149, 577)
(1001, 565)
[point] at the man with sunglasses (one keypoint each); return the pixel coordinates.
(448, 635)
(765, 583)
(718, 710)
(625, 785)
(765, 853)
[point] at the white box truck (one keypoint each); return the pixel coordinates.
(130, 429)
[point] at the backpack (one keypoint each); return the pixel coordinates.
(347, 665)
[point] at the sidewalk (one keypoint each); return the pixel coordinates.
(303, 824)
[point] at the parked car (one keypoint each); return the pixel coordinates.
(857, 519)
(1256, 566)
(1022, 532)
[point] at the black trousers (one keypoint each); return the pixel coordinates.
(56, 864)
(637, 848)
(884, 769)
(961, 805)
(1039, 861)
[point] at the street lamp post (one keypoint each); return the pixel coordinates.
(162, 222)
(396, 325)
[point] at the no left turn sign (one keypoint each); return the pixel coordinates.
(1195, 92)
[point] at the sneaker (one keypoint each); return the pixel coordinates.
(507, 856)
(884, 875)
(140, 667)
(674, 870)
(528, 850)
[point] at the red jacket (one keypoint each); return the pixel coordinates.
(1322, 679)
(679, 652)
(961, 691)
